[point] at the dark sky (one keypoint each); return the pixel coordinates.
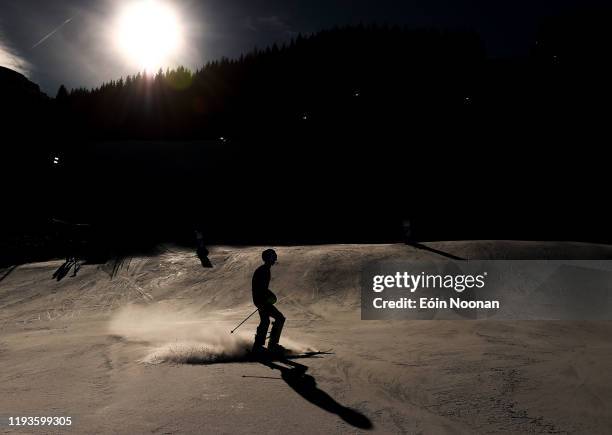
(79, 54)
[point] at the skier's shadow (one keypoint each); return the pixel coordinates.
(435, 251)
(306, 386)
(63, 270)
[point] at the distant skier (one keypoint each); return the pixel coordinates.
(74, 238)
(201, 250)
(264, 300)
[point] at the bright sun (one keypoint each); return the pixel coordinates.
(149, 33)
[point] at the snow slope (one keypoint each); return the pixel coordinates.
(144, 346)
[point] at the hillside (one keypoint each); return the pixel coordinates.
(145, 344)
(28, 128)
(335, 137)
(16, 86)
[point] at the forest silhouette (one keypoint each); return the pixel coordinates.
(335, 136)
(267, 93)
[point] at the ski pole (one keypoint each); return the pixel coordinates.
(240, 324)
(250, 315)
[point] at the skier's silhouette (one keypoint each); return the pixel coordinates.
(264, 300)
(201, 250)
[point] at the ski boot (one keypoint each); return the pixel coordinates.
(277, 349)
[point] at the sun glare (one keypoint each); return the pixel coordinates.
(149, 34)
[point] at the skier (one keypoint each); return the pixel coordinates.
(264, 300)
(201, 250)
